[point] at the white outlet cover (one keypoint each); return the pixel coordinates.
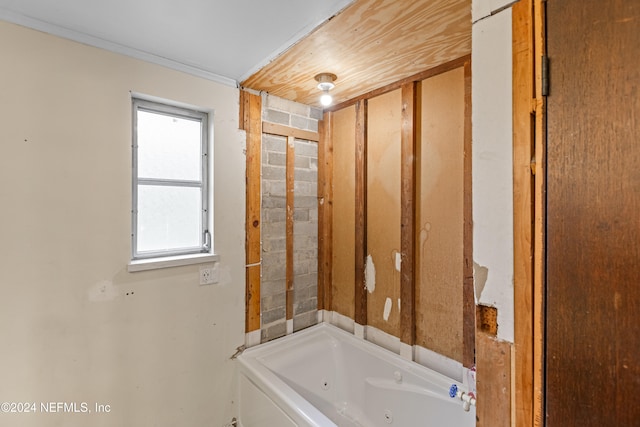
(205, 276)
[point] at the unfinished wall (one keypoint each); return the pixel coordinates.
(274, 248)
(440, 216)
(305, 235)
(493, 212)
(154, 345)
(382, 273)
(343, 241)
(440, 128)
(273, 289)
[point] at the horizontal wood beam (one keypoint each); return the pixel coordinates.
(282, 130)
(440, 69)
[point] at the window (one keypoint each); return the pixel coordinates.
(170, 213)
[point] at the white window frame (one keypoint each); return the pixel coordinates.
(183, 256)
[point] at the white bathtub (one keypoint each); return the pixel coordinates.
(323, 376)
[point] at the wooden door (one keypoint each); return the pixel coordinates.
(593, 214)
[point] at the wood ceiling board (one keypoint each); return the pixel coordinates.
(372, 43)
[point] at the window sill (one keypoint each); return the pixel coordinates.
(172, 261)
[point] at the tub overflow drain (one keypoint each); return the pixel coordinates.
(388, 416)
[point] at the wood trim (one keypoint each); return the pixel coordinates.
(243, 110)
(522, 36)
(493, 382)
(360, 299)
(440, 69)
(325, 212)
(290, 169)
(539, 29)
(409, 132)
(468, 291)
(282, 130)
(252, 117)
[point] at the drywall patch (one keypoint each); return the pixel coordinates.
(387, 309)
(480, 275)
(370, 274)
(103, 291)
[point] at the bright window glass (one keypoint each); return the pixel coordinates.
(170, 165)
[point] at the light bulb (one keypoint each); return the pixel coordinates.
(326, 99)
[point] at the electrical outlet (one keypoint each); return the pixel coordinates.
(206, 276)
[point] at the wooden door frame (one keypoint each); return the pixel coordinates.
(529, 172)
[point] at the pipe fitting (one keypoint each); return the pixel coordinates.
(468, 399)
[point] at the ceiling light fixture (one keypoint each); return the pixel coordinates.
(325, 84)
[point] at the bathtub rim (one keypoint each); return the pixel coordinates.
(298, 408)
(278, 344)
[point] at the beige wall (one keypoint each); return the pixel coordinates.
(75, 325)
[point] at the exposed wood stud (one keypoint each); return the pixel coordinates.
(539, 29)
(243, 110)
(252, 117)
(523, 138)
(410, 110)
(325, 212)
(291, 134)
(440, 69)
(278, 129)
(493, 382)
(468, 291)
(361, 213)
(289, 224)
(361, 303)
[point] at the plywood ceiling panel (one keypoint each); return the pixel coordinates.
(371, 44)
